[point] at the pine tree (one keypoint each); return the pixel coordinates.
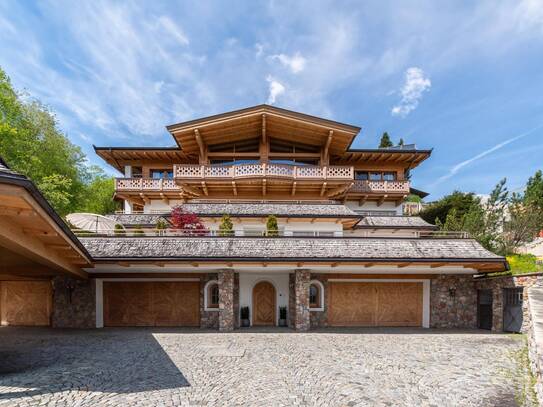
(272, 228)
(226, 228)
(401, 143)
(385, 141)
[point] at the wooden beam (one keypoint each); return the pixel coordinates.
(26, 243)
(323, 188)
(436, 265)
(264, 187)
(293, 190)
(234, 188)
(191, 190)
(201, 146)
(11, 211)
(402, 265)
(164, 198)
(204, 188)
(325, 151)
(145, 198)
(381, 200)
(264, 128)
(362, 200)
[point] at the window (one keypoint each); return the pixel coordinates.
(136, 172)
(362, 175)
(211, 296)
(375, 176)
(316, 296)
(389, 176)
(162, 174)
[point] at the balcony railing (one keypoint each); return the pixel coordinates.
(371, 187)
(145, 184)
(263, 170)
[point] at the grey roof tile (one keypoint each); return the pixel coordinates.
(394, 222)
(245, 209)
(285, 248)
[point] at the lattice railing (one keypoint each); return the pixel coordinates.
(381, 186)
(263, 170)
(144, 184)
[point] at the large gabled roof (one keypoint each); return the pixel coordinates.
(281, 124)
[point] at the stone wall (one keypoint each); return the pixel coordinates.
(226, 301)
(301, 292)
(497, 284)
(208, 319)
(319, 319)
(236, 301)
(291, 300)
(74, 303)
(453, 302)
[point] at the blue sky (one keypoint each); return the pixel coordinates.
(464, 78)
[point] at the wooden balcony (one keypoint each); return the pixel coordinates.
(145, 185)
(380, 187)
(242, 171)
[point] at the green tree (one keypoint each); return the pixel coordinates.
(272, 229)
(401, 143)
(99, 190)
(33, 145)
(385, 141)
(461, 201)
(533, 194)
(226, 227)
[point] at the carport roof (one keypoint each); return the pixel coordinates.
(28, 218)
(204, 249)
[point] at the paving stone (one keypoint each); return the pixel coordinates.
(172, 367)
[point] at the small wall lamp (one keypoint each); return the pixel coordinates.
(452, 292)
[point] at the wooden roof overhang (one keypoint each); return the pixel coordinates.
(408, 158)
(118, 157)
(481, 266)
(253, 122)
(34, 241)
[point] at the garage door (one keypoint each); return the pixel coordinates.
(25, 303)
(151, 303)
(375, 304)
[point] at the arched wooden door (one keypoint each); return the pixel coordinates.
(264, 304)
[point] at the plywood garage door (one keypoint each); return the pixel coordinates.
(375, 304)
(151, 303)
(25, 303)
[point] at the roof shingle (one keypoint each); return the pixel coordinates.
(286, 248)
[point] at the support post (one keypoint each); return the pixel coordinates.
(226, 300)
(301, 292)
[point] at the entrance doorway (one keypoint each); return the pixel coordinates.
(484, 309)
(264, 304)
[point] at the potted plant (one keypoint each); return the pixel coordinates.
(119, 229)
(160, 227)
(245, 316)
(272, 229)
(138, 231)
(283, 316)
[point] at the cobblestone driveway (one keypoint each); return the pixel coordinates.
(391, 367)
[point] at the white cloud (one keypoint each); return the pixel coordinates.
(172, 29)
(296, 63)
(276, 88)
(457, 167)
(415, 85)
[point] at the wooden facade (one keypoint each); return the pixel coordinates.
(262, 152)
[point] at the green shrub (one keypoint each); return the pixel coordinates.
(138, 231)
(161, 226)
(119, 229)
(523, 264)
(272, 229)
(226, 228)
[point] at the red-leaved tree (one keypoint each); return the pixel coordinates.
(188, 222)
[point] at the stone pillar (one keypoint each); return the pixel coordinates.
(226, 300)
(301, 293)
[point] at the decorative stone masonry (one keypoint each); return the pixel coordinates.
(208, 319)
(453, 302)
(236, 301)
(226, 300)
(301, 292)
(74, 303)
(291, 300)
(497, 284)
(320, 318)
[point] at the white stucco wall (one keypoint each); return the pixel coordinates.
(248, 280)
(372, 206)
